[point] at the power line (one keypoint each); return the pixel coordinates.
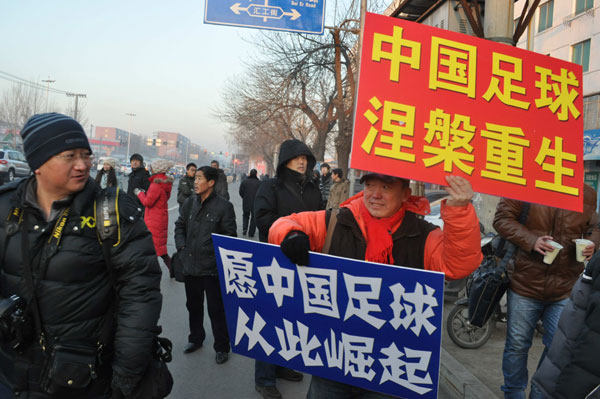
(15, 79)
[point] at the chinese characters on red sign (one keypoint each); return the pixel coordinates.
(432, 102)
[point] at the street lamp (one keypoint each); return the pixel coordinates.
(48, 81)
(129, 134)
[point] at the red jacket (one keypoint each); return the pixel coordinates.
(157, 210)
(455, 251)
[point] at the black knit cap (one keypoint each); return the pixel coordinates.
(136, 156)
(45, 135)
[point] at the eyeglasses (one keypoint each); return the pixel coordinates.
(72, 157)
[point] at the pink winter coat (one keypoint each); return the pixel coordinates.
(157, 210)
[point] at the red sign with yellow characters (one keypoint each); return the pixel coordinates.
(433, 102)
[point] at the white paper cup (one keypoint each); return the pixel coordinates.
(580, 245)
(551, 255)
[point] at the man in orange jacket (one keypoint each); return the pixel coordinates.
(381, 224)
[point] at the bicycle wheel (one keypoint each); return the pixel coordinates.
(462, 332)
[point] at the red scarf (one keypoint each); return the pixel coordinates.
(379, 235)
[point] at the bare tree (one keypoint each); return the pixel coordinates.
(18, 103)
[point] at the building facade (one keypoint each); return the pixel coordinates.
(570, 30)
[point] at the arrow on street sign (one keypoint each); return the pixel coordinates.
(265, 11)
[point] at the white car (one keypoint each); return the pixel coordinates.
(435, 216)
(13, 165)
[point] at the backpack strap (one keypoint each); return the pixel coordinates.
(330, 227)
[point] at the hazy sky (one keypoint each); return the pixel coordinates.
(156, 59)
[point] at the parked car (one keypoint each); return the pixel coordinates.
(13, 165)
(435, 216)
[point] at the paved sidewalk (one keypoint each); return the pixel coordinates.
(482, 366)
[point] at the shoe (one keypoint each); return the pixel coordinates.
(289, 374)
(191, 347)
(270, 392)
(221, 357)
(244, 232)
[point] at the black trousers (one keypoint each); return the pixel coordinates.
(249, 215)
(195, 289)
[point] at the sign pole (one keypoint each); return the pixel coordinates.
(361, 35)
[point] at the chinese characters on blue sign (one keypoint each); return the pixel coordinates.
(302, 16)
(364, 324)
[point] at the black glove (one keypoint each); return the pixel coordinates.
(295, 246)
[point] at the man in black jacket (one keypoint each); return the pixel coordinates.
(67, 288)
(221, 186)
(248, 189)
(185, 189)
(325, 182)
(290, 191)
(138, 178)
(200, 216)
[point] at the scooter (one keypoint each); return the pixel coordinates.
(460, 330)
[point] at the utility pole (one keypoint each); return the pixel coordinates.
(363, 13)
(131, 115)
(76, 102)
(48, 81)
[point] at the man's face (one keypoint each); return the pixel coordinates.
(214, 165)
(191, 171)
(135, 163)
(335, 177)
(324, 171)
(67, 172)
(298, 164)
(201, 185)
(384, 199)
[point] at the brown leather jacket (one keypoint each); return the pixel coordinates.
(531, 277)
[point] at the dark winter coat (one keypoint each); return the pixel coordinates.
(75, 291)
(532, 278)
(571, 369)
(248, 189)
(221, 185)
(138, 178)
(185, 189)
(288, 192)
(325, 186)
(197, 221)
(111, 178)
(156, 216)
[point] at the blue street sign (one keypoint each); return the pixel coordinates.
(302, 16)
(374, 326)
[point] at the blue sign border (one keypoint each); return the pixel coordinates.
(248, 301)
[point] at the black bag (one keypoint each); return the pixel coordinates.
(68, 366)
(157, 381)
(490, 282)
(177, 266)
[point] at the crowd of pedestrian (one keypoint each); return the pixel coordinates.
(62, 287)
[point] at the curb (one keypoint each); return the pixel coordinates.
(459, 382)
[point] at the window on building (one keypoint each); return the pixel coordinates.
(583, 5)
(546, 13)
(581, 54)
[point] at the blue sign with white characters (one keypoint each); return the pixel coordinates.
(360, 323)
(302, 16)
